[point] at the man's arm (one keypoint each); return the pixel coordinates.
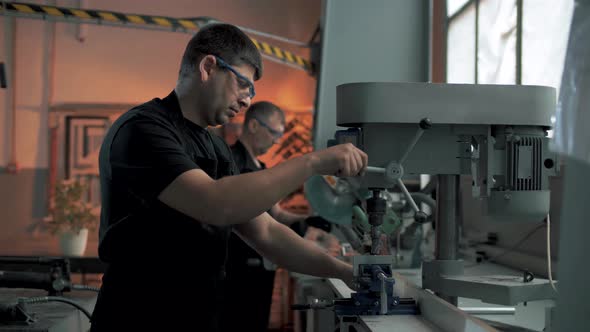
(237, 199)
(285, 217)
(283, 247)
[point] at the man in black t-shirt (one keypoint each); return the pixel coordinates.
(250, 282)
(171, 196)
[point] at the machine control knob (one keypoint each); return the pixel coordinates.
(425, 123)
(421, 217)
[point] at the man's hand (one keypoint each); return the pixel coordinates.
(340, 160)
(349, 279)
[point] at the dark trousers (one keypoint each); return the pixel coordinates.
(248, 299)
(166, 301)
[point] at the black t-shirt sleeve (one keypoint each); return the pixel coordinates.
(237, 160)
(234, 165)
(146, 156)
(225, 154)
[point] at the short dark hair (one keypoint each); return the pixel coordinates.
(225, 41)
(263, 110)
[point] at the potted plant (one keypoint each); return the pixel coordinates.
(71, 217)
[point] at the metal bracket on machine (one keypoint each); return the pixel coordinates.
(55, 279)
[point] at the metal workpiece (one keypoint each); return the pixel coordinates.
(315, 304)
(490, 310)
(384, 280)
(403, 103)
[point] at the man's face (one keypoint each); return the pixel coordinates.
(231, 92)
(268, 132)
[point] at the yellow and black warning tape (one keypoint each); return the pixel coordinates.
(97, 16)
(282, 55)
(93, 16)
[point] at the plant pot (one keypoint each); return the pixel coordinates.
(73, 244)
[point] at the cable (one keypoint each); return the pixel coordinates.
(43, 299)
(549, 253)
(430, 187)
(514, 247)
(316, 32)
(85, 287)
